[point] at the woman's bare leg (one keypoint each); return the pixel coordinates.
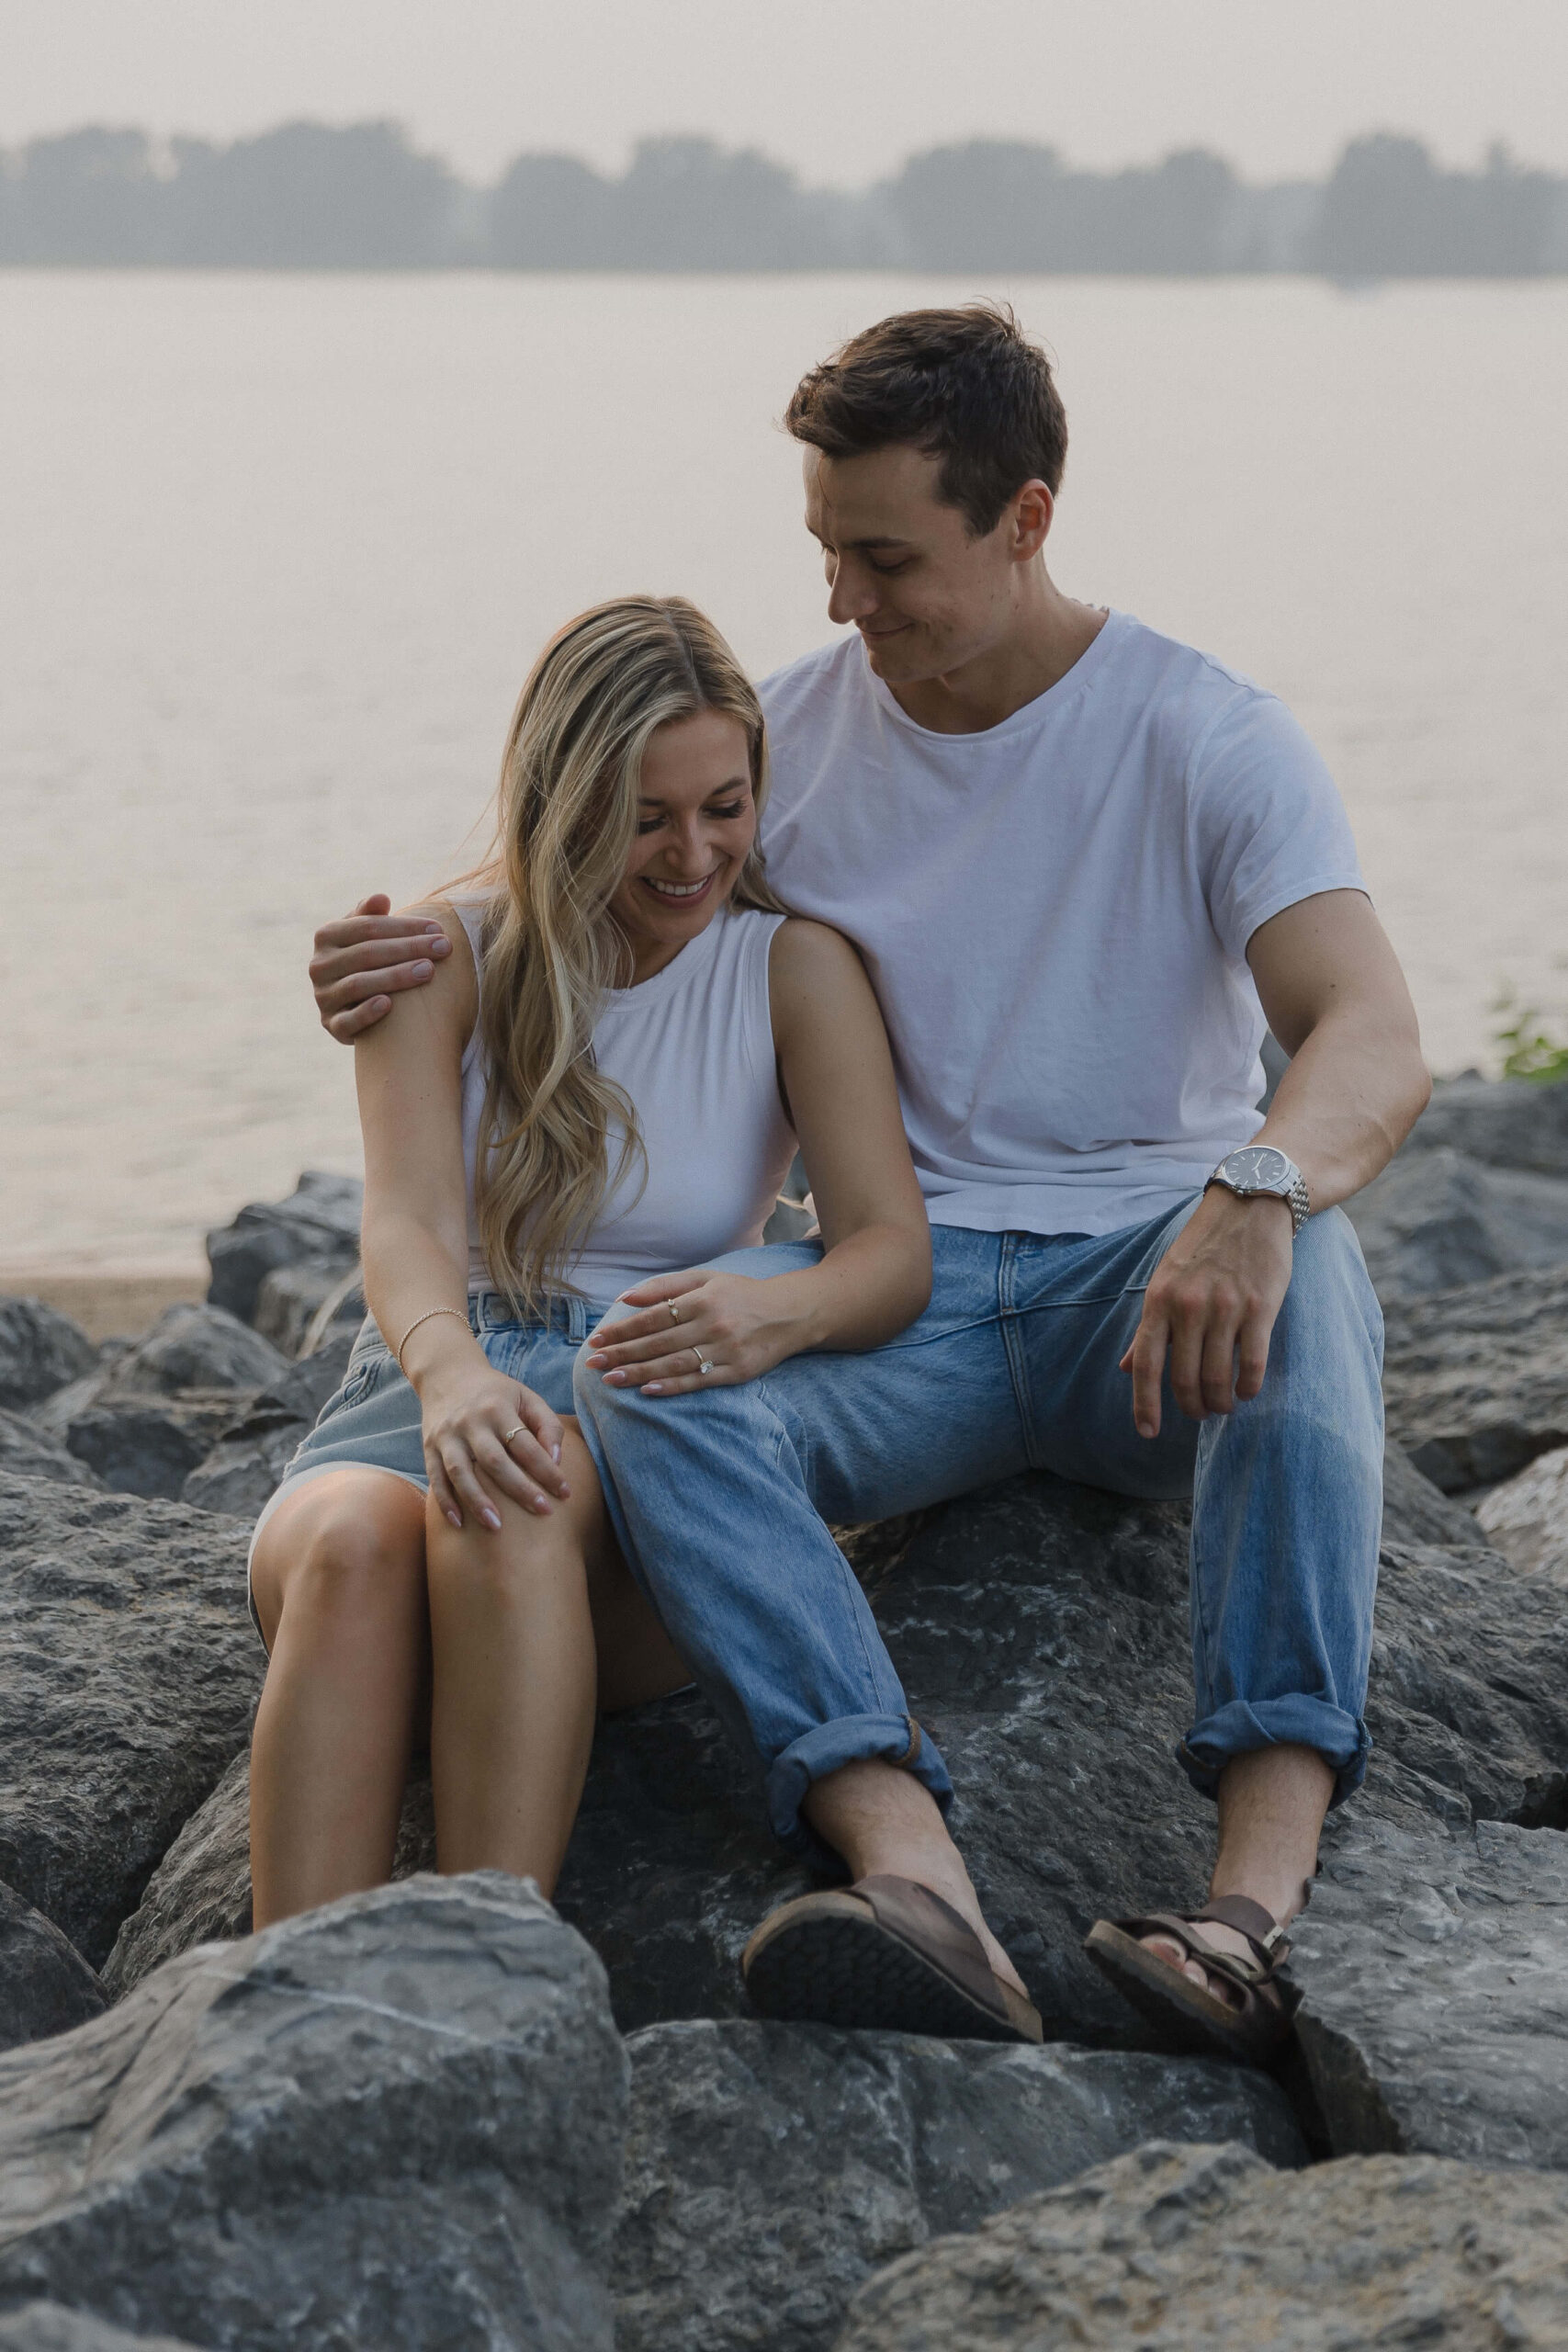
(339, 1584)
(513, 1681)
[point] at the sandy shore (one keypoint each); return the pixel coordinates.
(109, 1302)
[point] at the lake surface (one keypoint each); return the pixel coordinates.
(277, 551)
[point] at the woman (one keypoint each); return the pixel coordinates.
(606, 1080)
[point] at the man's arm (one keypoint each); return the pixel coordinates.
(363, 960)
(1333, 995)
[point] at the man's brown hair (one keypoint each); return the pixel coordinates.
(964, 385)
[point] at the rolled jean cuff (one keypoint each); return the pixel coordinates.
(822, 1749)
(1343, 1741)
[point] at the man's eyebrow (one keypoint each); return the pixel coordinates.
(885, 541)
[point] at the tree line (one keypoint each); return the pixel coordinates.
(309, 197)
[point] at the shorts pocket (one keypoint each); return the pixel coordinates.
(366, 1367)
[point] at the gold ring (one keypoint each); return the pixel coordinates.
(674, 1312)
(511, 1433)
(703, 1364)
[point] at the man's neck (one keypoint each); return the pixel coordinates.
(1050, 633)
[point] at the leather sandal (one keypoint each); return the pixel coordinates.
(1190, 2017)
(886, 1955)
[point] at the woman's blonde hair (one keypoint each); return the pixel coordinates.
(566, 819)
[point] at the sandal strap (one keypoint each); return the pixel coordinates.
(1248, 1977)
(1261, 1928)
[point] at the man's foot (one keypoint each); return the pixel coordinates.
(885, 1955)
(1201, 1993)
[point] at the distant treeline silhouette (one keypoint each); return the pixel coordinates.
(307, 196)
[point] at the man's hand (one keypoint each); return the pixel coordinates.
(1211, 1305)
(362, 961)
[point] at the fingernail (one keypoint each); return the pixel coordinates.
(565, 1493)
(615, 1380)
(452, 1519)
(653, 1388)
(593, 1362)
(554, 1451)
(422, 971)
(541, 1506)
(491, 1519)
(441, 945)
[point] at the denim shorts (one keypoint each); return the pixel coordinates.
(373, 1422)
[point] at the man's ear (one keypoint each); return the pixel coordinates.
(1033, 509)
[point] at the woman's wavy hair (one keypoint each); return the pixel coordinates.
(566, 819)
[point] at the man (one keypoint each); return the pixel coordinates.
(1084, 866)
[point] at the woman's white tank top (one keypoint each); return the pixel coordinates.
(692, 1051)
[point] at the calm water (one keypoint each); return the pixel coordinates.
(276, 552)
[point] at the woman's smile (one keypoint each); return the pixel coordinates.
(684, 894)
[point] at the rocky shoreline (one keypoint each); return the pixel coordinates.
(447, 2114)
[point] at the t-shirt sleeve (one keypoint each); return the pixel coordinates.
(1268, 826)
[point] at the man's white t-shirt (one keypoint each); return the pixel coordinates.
(1055, 914)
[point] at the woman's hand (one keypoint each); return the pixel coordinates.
(485, 1436)
(737, 1324)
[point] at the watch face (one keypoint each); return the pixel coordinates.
(1259, 1167)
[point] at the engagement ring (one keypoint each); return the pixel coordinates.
(511, 1433)
(674, 1312)
(703, 1364)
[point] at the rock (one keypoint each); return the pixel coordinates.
(1043, 1632)
(1527, 1517)
(1475, 1380)
(1434, 1220)
(1434, 1971)
(129, 1670)
(27, 1452)
(1190, 2249)
(1415, 1511)
(154, 1411)
(317, 1226)
(292, 1298)
(148, 1449)
(772, 2169)
(1509, 1123)
(41, 1350)
(49, 2327)
(245, 1467)
(395, 2122)
(46, 1986)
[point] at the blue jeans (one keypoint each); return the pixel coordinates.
(720, 1498)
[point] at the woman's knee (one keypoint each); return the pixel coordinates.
(358, 1554)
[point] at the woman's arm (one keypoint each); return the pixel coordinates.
(414, 1243)
(875, 1272)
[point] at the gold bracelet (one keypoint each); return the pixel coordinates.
(413, 1327)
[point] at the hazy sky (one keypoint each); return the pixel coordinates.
(841, 88)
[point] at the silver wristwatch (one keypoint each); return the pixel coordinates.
(1259, 1168)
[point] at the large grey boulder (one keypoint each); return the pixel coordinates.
(1043, 1632)
(1194, 2249)
(46, 1986)
(153, 1410)
(1527, 1517)
(292, 1300)
(245, 1467)
(1475, 1380)
(40, 1351)
(129, 1670)
(1434, 1971)
(27, 1452)
(1435, 1219)
(772, 2169)
(317, 1226)
(1415, 1511)
(396, 2122)
(1509, 1123)
(49, 2327)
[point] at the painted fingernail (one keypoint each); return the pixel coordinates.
(421, 970)
(653, 1388)
(452, 1519)
(593, 1363)
(565, 1493)
(554, 1451)
(441, 945)
(490, 1519)
(615, 1380)
(541, 1506)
